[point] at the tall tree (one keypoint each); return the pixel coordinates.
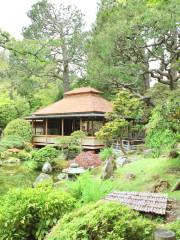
(61, 28)
(134, 42)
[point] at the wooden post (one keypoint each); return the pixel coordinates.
(62, 127)
(35, 127)
(46, 127)
(162, 234)
(80, 124)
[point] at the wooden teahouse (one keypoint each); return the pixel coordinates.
(80, 109)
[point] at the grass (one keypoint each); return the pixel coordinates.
(148, 172)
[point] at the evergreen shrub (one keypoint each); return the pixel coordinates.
(103, 220)
(19, 127)
(31, 213)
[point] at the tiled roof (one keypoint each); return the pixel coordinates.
(141, 201)
(78, 101)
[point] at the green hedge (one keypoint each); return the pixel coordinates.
(31, 213)
(20, 128)
(103, 220)
(45, 154)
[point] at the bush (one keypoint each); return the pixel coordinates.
(24, 156)
(45, 154)
(31, 165)
(72, 144)
(88, 189)
(103, 220)
(31, 213)
(20, 128)
(106, 153)
(12, 141)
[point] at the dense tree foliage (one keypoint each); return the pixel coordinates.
(126, 108)
(163, 129)
(59, 29)
(134, 42)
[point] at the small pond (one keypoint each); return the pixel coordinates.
(14, 176)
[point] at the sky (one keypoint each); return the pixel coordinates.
(13, 13)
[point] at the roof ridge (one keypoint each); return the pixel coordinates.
(82, 90)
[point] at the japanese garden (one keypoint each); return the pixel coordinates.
(90, 123)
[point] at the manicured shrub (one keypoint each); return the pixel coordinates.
(31, 213)
(12, 141)
(20, 128)
(103, 220)
(45, 154)
(88, 188)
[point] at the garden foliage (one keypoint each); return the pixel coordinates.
(103, 220)
(45, 154)
(11, 141)
(88, 188)
(20, 128)
(31, 213)
(164, 126)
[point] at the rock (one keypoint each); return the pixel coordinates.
(47, 168)
(41, 178)
(61, 176)
(12, 160)
(177, 186)
(130, 176)
(109, 168)
(120, 161)
(161, 186)
(162, 234)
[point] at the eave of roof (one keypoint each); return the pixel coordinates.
(68, 115)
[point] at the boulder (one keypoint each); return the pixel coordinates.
(61, 176)
(120, 161)
(109, 168)
(161, 186)
(47, 168)
(41, 178)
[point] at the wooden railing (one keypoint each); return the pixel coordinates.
(87, 143)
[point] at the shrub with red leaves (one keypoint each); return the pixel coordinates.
(87, 159)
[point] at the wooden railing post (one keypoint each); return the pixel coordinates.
(46, 127)
(162, 234)
(63, 127)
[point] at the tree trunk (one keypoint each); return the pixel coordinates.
(66, 77)
(146, 82)
(173, 70)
